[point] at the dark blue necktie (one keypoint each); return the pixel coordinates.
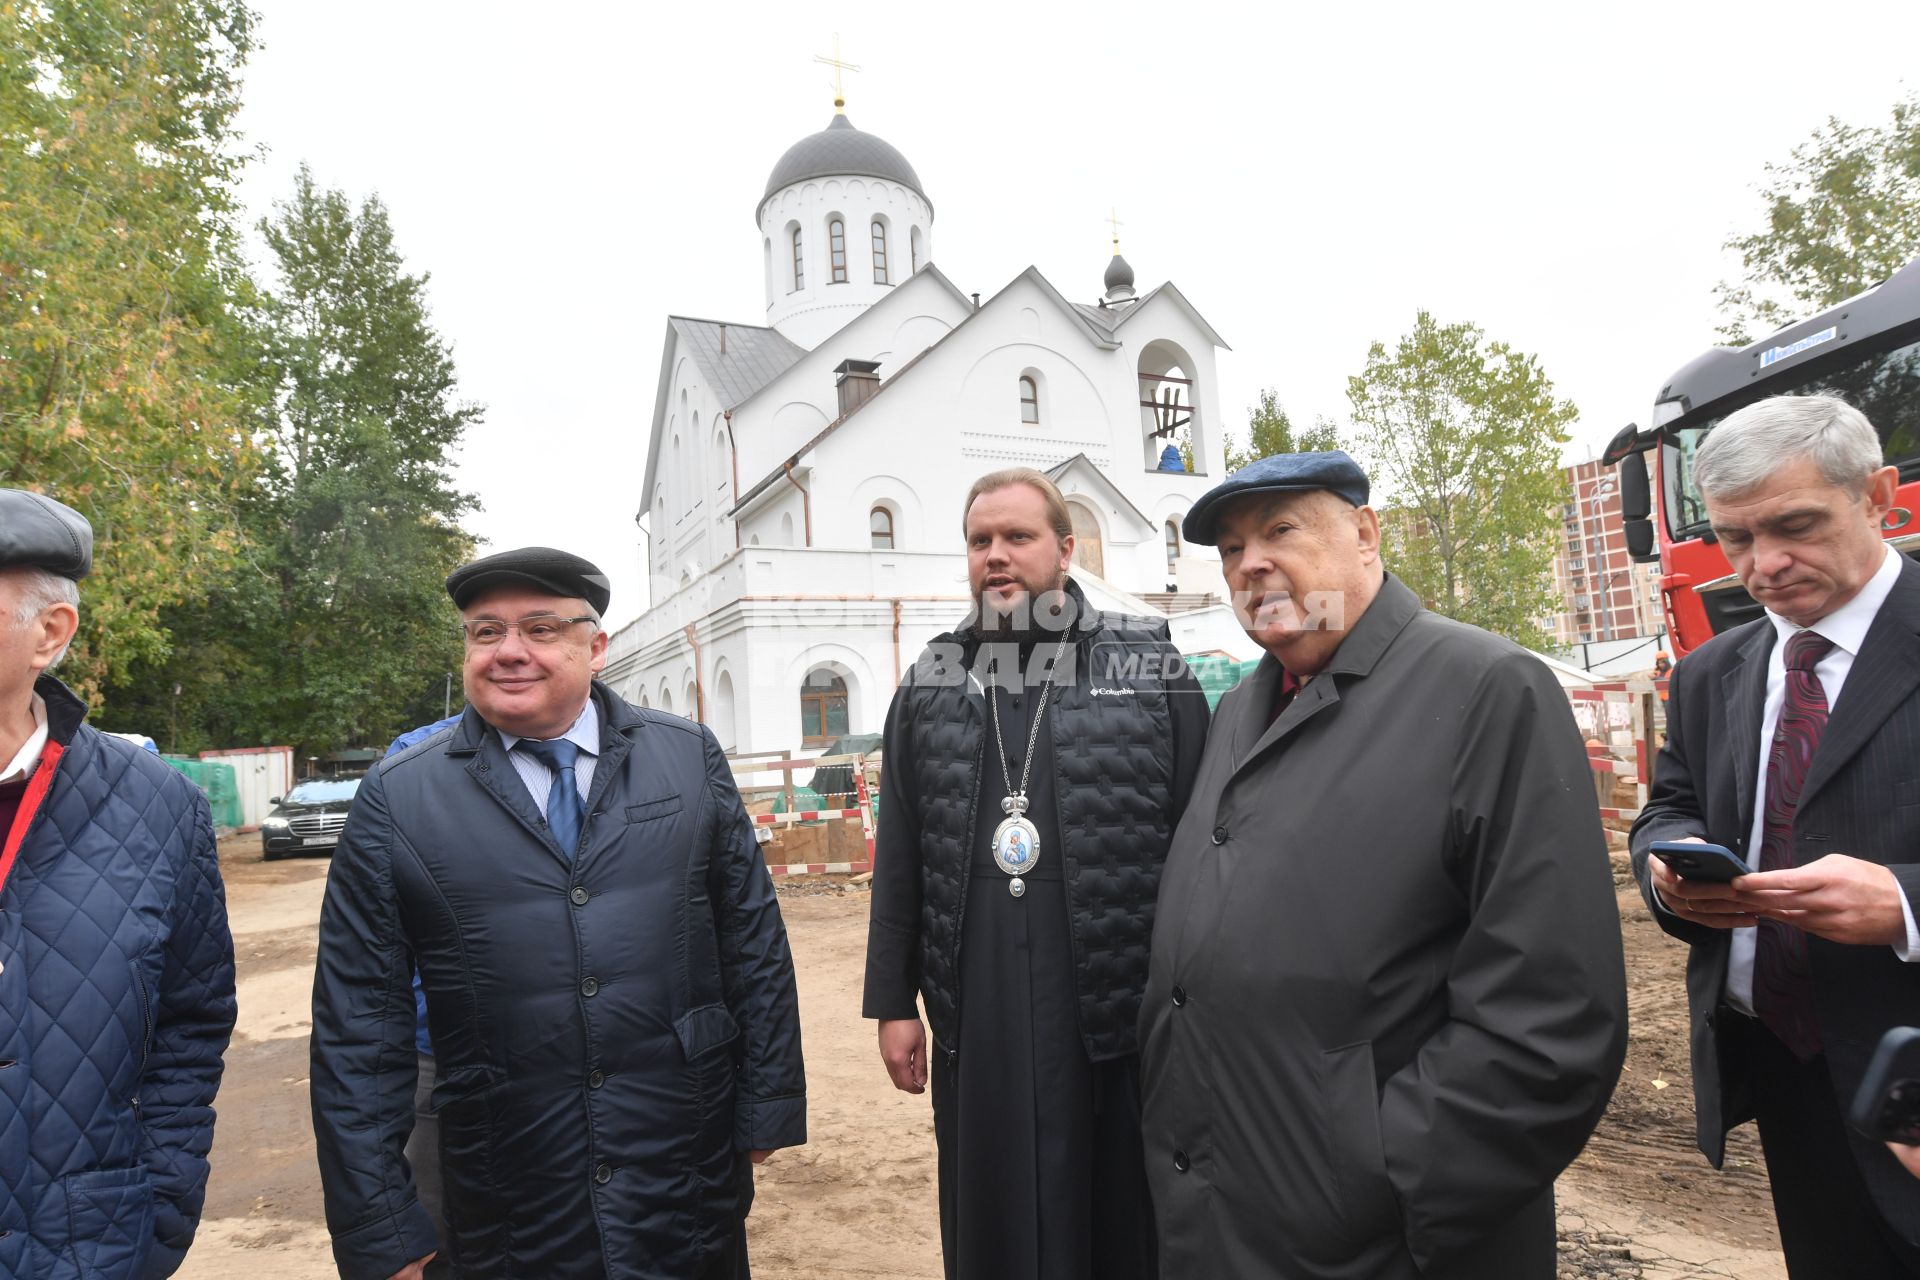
(566, 811)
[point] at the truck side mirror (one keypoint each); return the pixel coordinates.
(1636, 508)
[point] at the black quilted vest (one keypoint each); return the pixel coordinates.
(1113, 762)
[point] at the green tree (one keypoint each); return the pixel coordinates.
(123, 348)
(1843, 213)
(339, 633)
(1271, 431)
(1463, 438)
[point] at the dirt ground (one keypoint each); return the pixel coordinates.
(858, 1200)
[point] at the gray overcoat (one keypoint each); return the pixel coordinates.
(1387, 1003)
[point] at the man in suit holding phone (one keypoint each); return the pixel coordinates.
(1793, 741)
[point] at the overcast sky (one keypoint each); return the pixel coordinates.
(571, 173)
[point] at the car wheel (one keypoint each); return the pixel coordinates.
(272, 855)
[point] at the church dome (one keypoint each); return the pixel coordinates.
(1119, 273)
(840, 150)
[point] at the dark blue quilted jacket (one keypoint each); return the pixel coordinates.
(116, 1003)
(614, 1030)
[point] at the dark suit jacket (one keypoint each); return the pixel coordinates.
(1862, 797)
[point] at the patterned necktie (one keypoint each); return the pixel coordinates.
(1782, 977)
(566, 811)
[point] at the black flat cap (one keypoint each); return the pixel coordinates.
(560, 572)
(1331, 470)
(35, 530)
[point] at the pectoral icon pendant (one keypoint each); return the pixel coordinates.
(1016, 843)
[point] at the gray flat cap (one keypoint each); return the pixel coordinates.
(35, 530)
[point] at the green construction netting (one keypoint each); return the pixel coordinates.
(1218, 674)
(217, 780)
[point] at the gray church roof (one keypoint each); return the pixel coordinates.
(840, 150)
(753, 357)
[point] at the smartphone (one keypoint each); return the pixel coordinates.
(1887, 1104)
(1712, 862)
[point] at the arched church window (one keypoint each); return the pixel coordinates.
(799, 264)
(880, 527)
(879, 252)
(823, 707)
(1173, 544)
(837, 246)
(913, 241)
(1029, 401)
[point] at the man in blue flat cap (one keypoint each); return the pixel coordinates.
(1386, 1003)
(116, 964)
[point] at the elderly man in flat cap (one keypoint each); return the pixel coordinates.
(116, 966)
(615, 1029)
(1386, 1003)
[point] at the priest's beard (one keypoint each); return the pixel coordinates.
(1045, 613)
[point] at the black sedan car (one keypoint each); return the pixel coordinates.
(308, 819)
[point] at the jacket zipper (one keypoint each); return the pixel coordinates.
(966, 862)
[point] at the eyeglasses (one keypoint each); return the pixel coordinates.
(544, 628)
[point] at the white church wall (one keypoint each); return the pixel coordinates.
(773, 424)
(849, 524)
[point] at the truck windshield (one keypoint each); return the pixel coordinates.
(1885, 387)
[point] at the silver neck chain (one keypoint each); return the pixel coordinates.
(1033, 736)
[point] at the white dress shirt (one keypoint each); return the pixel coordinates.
(27, 758)
(1847, 628)
(533, 771)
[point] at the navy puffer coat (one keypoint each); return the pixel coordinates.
(613, 1032)
(116, 1004)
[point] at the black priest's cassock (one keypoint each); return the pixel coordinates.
(1036, 1101)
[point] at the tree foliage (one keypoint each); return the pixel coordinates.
(1271, 431)
(1463, 439)
(123, 348)
(339, 632)
(1843, 213)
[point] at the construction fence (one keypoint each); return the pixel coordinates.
(826, 825)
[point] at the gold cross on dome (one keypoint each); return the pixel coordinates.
(839, 84)
(1114, 219)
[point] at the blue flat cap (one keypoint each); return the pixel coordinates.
(1332, 470)
(35, 530)
(560, 572)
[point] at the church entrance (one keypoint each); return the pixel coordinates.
(1087, 552)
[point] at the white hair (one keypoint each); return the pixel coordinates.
(1749, 446)
(38, 591)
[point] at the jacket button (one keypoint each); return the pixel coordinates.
(602, 1173)
(1180, 1162)
(595, 1079)
(1219, 835)
(589, 986)
(1179, 996)
(579, 896)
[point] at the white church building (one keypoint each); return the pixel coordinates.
(805, 474)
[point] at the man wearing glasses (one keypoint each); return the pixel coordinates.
(610, 996)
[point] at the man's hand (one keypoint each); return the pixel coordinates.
(1906, 1155)
(1841, 899)
(758, 1157)
(903, 1048)
(416, 1269)
(1717, 906)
